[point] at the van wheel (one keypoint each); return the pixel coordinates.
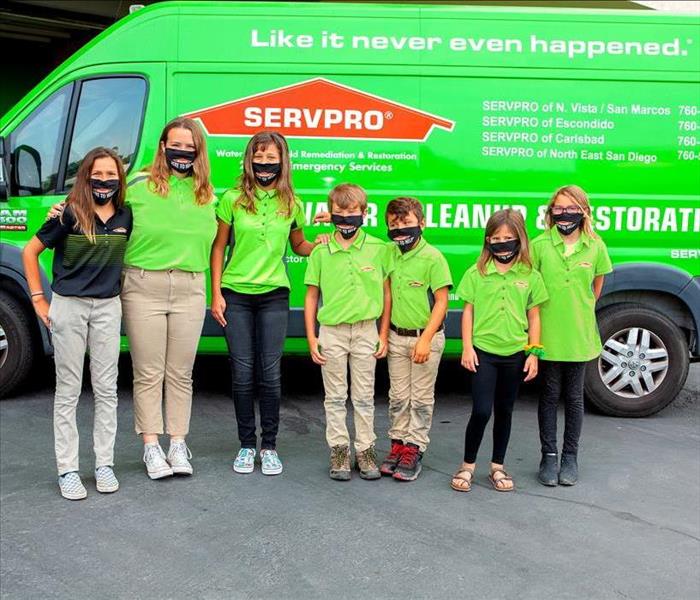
(16, 344)
(644, 363)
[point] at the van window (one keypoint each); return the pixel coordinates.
(36, 146)
(109, 114)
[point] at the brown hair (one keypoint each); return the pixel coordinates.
(283, 183)
(403, 206)
(80, 197)
(159, 171)
(514, 220)
(347, 194)
(580, 198)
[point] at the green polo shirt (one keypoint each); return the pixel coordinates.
(501, 302)
(172, 232)
(351, 279)
(415, 275)
(569, 328)
(258, 262)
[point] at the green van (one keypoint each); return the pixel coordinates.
(468, 108)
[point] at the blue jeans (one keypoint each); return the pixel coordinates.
(256, 327)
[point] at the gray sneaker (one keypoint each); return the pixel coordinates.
(72, 487)
(156, 465)
(105, 480)
(271, 463)
(245, 461)
(179, 456)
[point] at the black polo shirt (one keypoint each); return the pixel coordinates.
(81, 268)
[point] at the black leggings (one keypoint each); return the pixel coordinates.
(494, 388)
(562, 380)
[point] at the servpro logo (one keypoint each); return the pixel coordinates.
(319, 108)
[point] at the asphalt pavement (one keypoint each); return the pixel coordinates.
(629, 529)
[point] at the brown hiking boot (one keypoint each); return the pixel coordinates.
(367, 464)
(340, 463)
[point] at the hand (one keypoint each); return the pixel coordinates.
(218, 308)
(322, 238)
(55, 211)
(531, 366)
(421, 351)
(315, 351)
(382, 347)
(41, 308)
(323, 217)
(470, 361)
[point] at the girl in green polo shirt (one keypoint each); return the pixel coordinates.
(250, 292)
(573, 261)
(501, 337)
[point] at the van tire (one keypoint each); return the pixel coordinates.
(21, 352)
(622, 317)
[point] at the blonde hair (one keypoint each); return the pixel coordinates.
(347, 194)
(513, 220)
(578, 197)
(247, 183)
(80, 197)
(159, 171)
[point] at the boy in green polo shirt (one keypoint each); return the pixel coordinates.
(573, 261)
(420, 282)
(350, 275)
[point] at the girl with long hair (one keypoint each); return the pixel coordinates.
(573, 261)
(250, 294)
(501, 338)
(84, 312)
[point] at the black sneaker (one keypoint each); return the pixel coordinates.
(548, 470)
(568, 473)
(409, 466)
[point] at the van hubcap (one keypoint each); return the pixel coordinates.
(4, 349)
(633, 363)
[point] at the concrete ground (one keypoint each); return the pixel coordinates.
(630, 529)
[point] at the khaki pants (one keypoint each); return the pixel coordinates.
(78, 324)
(353, 345)
(412, 389)
(163, 314)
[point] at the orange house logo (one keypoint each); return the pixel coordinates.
(319, 108)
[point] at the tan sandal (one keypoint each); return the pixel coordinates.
(458, 475)
(495, 482)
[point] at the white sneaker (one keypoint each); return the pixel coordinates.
(271, 463)
(105, 480)
(72, 487)
(245, 461)
(156, 465)
(178, 457)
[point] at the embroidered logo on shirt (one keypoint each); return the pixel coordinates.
(119, 230)
(415, 284)
(585, 265)
(521, 284)
(367, 269)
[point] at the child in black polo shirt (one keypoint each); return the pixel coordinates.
(85, 312)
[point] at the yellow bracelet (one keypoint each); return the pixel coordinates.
(536, 349)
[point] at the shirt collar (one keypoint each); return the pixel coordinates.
(518, 268)
(558, 240)
(413, 251)
(175, 180)
(265, 194)
(334, 245)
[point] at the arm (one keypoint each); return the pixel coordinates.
(30, 260)
(384, 322)
(421, 351)
(310, 308)
(301, 246)
(216, 263)
(598, 285)
(470, 361)
(533, 339)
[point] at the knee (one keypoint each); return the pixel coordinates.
(480, 416)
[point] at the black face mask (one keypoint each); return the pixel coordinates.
(181, 167)
(574, 222)
(351, 223)
(413, 235)
(272, 168)
(102, 198)
(512, 247)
